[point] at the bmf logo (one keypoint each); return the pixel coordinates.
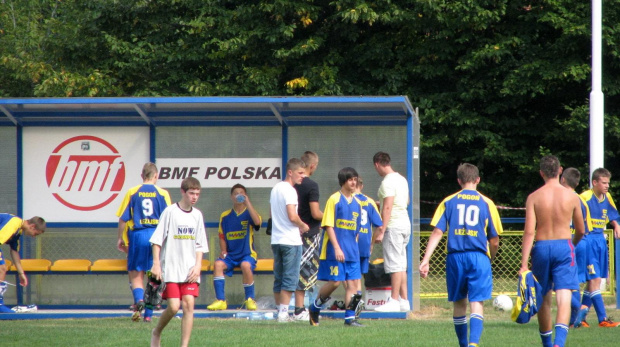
(85, 182)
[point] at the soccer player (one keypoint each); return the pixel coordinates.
(310, 213)
(139, 215)
(395, 232)
(602, 211)
(236, 234)
(570, 179)
(11, 230)
(178, 244)
(340, 258)
(548, 214)
(473, 226)
(371, 218)
(286, 232)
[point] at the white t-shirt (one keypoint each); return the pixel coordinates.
(283, 231)
(180, 234)
(395, 185)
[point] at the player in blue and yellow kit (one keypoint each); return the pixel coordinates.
(570, 179)
(138, 216)
(371, 218)
(472, 224)
(11, 230)
(339, 259)
(602, 211)
(236, 234)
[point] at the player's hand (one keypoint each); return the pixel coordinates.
(522, 270)
(304, 228)
(156, 271)
(380, 233)
(617, 231)
(223, 255)
(193, 275)
(339, 255)
(121, 246)
(23, 280)
(424, 268)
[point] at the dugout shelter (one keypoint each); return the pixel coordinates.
(233, 132)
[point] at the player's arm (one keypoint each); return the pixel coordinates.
(433, 241)
(156, 268)
(315, 210)
(291, 211)
(253, 214)
(120, 243)
(386, 214)
(223, 246)
(493, 246)
(17, 260)
(528, 234)
(332, 239)
(616, 227)
(578, 222)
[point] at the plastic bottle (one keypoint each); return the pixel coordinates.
(242, 315)
(254, 315)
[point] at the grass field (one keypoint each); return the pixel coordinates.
(430, 327)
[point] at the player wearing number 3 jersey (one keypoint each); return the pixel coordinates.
(138, 216)
(472, 224)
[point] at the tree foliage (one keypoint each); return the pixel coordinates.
(498, 83)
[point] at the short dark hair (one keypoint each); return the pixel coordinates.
(382, 158)
(345, 174)
(467, 173)
(190, 183)
(571, 176)
(294, 164)
(600, 172)
(149, 170)
(550, 166)
(309, 157)
(238, 185)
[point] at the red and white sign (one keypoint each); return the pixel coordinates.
(81, 174)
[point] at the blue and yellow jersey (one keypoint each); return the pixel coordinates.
(238, 232)
(143, 205)
(601, 211)
(343, 215)
(370, 218)
(470, 219)
(10, 230)
(587, 219)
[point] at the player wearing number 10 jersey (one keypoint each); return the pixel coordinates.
(139, 216)
(472, 224)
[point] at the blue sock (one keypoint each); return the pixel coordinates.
(546, 338)
(599, 305)
(249, 290)
(148, 312)
(460, 326)
(138, 295)
(349, 316)
(218, 285)
(561, 330)
(317, 304)
(4, 309)
(575, 305)
(476, 323)
(585, 299)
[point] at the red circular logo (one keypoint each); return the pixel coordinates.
(85, 173)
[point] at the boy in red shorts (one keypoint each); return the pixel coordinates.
(178, 243)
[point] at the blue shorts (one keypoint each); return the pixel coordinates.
(232, 263)
(364, 265)
(333, 270)
(140, 252)
(2, 262)
(286, 261)
(598, 257)
(581, 256)
(554, 265)
(468, 275)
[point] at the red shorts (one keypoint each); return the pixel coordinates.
(178, 290)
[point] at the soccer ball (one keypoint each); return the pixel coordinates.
(502, 303)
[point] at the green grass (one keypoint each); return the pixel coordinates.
(430, 327)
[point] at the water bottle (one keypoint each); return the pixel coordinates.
(242, 315)
(261, 316)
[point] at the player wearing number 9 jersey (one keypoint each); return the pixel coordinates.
(139, 214)
(472, 224)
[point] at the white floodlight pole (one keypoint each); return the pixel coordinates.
(597, 102)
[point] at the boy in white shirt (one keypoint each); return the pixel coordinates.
(178, 244)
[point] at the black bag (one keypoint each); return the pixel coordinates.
(376, 277)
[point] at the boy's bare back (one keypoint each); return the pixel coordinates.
(550, 210)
